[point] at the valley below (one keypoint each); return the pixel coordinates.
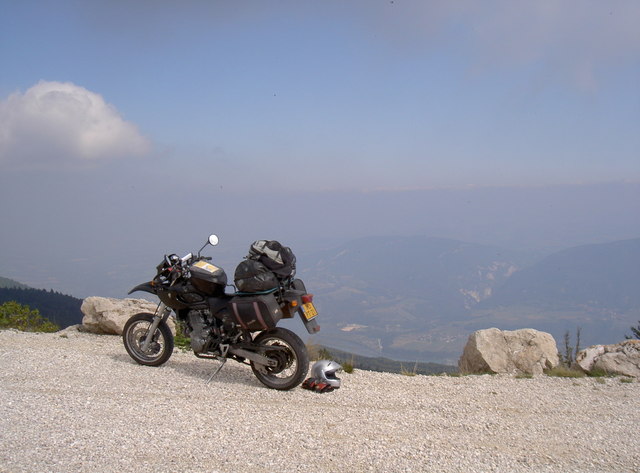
(419, 298)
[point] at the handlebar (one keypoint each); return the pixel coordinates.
(190, 256)
(175, 265)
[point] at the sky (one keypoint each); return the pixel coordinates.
(129, 122)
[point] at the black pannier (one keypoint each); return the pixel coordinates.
(260, 312)
(279, 259)
(253, 276)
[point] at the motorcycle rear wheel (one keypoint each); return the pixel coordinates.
(291, 355)
(135, 333)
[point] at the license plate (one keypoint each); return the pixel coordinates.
(309, 310)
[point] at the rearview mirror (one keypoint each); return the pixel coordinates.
(213, 239)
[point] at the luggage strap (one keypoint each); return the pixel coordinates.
(260, 293)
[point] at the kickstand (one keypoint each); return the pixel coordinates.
(222, 362)
(222, 359)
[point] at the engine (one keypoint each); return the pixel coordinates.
(203, 330)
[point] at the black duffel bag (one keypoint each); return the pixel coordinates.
(278, 258)
(253, 276)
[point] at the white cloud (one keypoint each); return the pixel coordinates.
(55, 121)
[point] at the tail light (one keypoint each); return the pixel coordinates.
(307, 298)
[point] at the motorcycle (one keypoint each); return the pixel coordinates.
(241, 325)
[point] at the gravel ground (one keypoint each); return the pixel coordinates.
(75, 402)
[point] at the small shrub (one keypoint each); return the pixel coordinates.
(181, 340)
(635, 332)
(626, 380)
(324, 354)
(348, 366)
(406, 372)
(524, 376)
(317, 352)
(563, 372)
(486, 372)
(21, 317)
(570, 353)
(598, 373)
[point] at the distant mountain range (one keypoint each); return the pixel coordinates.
(603, 276)
(418, 298)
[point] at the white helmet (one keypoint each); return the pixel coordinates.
(325, 371)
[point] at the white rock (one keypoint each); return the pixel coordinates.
(519, 351)
(621, 358)
(587, 357)
(108, 315)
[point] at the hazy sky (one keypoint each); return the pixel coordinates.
(158, 106)
(338, 94)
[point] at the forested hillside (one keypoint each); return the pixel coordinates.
(60, 309)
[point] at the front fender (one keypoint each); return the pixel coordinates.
(145, 287)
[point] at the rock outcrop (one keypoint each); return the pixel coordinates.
(619, 359)
(525, 351)
(106, 315)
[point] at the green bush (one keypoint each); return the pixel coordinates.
(348, 366)
(324, 354)
(524, 376)
(598, 373)
(407, 372)
(21, 317)
(181, 340)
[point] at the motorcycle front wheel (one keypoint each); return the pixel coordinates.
(135, 333)
(291, 355)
